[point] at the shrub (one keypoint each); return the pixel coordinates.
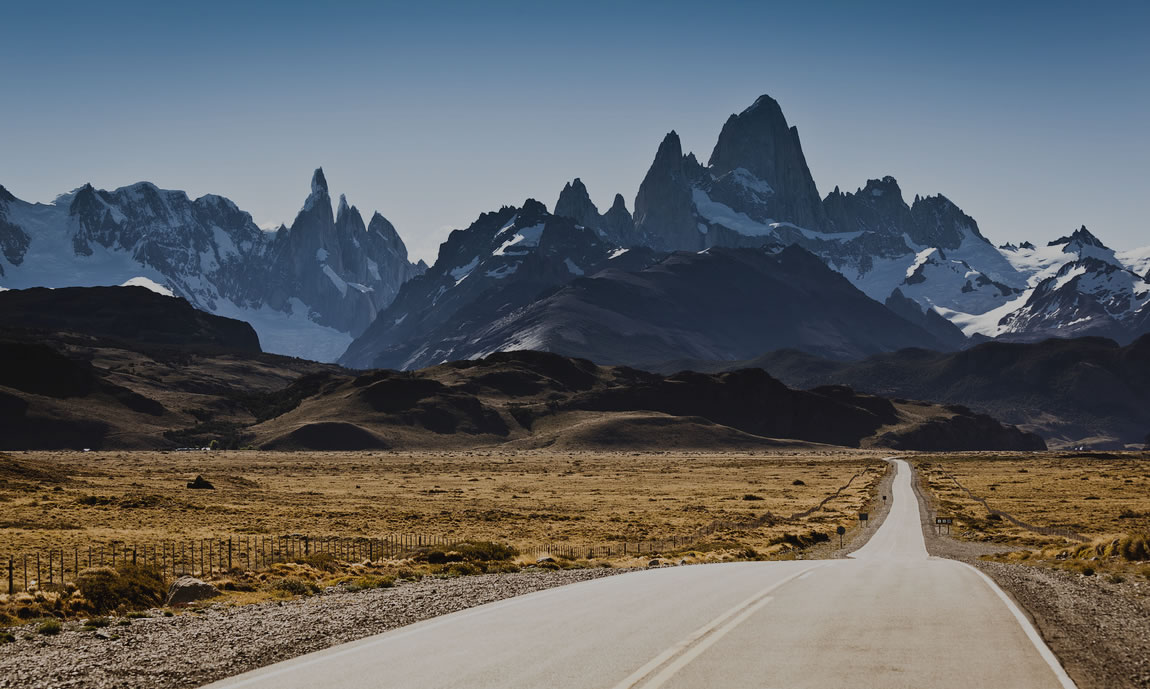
(6, 637)
(50, 628)
(324, 562)
(1135, 547)
(131, 586)
(798, 482)
(1116, 578)
(461, 569)
(97, 623)
(486, 551)
(294, 586)
(752, 496)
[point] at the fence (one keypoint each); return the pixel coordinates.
(1043, 530)
(207, 556)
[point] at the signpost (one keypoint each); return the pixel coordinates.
(864, 518)
(840, 531)
(940, 522)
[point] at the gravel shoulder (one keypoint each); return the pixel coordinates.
(1099, 630)
(193, 649)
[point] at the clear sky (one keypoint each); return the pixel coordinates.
(1031, 116)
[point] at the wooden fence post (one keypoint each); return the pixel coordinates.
(11, 589)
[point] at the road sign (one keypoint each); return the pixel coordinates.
(863, 517)
(941, 522)
(840, 531)
(884, 498)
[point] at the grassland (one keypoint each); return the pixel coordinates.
(1105, 499)
(66, 499)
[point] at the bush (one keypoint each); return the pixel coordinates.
(486, 551)
(50, 628)
(461, 569)
(6, 637)
(97, 623)
(752, 496)
(1135, 547)
(324, 562)
(131, 586)
(294, 586)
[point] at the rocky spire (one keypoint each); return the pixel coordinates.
(760, 141)
(1081, 236)
(575, 203)
(664, 211)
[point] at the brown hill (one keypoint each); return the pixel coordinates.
(68, 390)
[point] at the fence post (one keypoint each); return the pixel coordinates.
(11, 589)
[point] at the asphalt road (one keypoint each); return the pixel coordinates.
(889, 617)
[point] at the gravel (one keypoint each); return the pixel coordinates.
(193, 649)
(1099, 630)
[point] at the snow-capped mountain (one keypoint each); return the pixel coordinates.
(757, 189)
(1080, 287)
(307, 290)
(504, 260)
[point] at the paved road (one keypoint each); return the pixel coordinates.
(890, 617)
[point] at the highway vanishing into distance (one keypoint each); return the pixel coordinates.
(889, 616)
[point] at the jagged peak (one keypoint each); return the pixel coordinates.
(318, 182)
(343, 207)
(670, 147)
(619, 203)
(531, 207)
(6, 195)
(761, 101)
(1080, 236)
(887, 186)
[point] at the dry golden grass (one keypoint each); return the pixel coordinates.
(1104, 499)
(66, 499)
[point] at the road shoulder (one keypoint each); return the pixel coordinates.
(1096, 628)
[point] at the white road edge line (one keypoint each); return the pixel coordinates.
(747, 607)
(1031, 632)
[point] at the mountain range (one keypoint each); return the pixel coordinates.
(307, 290)
(717, 261)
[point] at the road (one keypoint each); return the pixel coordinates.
(891, 616)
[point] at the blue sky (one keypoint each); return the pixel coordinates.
(1032, 117)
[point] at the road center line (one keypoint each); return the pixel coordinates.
(702, 638)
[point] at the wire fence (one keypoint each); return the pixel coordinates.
(54, 568)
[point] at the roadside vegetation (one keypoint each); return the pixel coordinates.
(1084, 512)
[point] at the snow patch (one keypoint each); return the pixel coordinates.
(335, 280)
(571, 267)
(524, 238)
(503, 271)
(460, 273)
(321, 254)
(149, 284)
(617, 253)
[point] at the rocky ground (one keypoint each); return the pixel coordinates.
(1098, 628)
(194, 648)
